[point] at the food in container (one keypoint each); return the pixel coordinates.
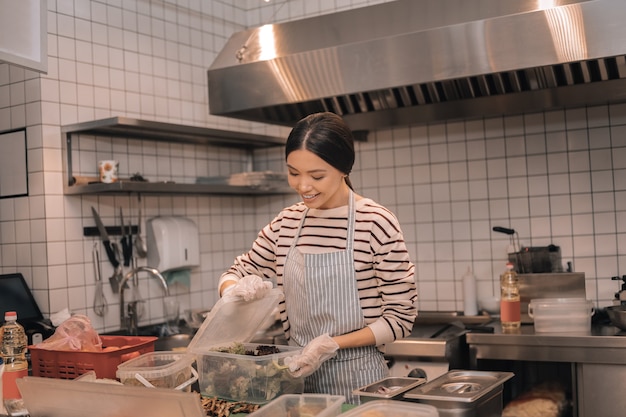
(224, 368)
(236, 373)
(159, 370)
(561, 315)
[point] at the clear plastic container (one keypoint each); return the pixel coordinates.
(235, 376)
(561, 315)
(159, 370)
(313, 405)
(68, 398)
(384, 408)
(241, 377)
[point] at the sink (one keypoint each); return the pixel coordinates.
(173, 342)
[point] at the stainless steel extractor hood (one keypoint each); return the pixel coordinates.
(415, 61)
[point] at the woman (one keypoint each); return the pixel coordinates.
(339, 258)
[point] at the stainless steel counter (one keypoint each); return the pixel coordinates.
(596, 360)
(602, 345)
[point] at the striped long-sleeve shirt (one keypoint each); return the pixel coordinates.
(384, 272)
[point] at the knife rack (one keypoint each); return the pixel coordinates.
(111, 230)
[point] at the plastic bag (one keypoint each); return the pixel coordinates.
(74, 334)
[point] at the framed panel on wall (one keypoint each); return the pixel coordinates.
(24, 33)
(13, 164)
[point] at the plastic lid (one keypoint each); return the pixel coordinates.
(155, 365)
(234, 321)
(560, 302)
(10, 315)
(392, 408)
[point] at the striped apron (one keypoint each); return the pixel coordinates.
(322, 297)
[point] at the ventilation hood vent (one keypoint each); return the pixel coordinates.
(409, 61)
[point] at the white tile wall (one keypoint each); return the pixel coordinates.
(556, 177)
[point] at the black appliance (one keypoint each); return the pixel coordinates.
(16, 296)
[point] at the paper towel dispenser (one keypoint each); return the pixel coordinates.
(173, 243)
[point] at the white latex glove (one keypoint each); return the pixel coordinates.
(314, 353)
(248, 288)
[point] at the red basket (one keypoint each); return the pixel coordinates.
(68, 365)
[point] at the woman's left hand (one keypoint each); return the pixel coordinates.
(313, 355)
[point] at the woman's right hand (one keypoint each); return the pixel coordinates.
(248, 288)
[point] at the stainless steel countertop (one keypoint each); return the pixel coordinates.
(603, 344)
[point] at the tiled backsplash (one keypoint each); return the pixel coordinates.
(557, 177)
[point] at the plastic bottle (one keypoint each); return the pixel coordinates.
(3, 410)
(510, 310)
(470, 304)
(14, 344)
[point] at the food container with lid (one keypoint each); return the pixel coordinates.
(309, 405)
(390, 388)
(231, 368)
(561, 315)
(159, 370)
(460, 393)
(385, 408)
(69, 398)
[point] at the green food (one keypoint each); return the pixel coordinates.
(236, 349)
(252, 380)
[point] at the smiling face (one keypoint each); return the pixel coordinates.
(320, 185)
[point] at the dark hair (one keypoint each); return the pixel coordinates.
(327, 136)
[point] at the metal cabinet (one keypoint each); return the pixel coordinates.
(600, 389)
(592, 364)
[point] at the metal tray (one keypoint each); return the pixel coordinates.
(388, 388)
(460, 385)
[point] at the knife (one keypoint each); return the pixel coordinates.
(127, 244)
(104, 236)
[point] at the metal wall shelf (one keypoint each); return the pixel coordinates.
(170, 188)
(149, 130)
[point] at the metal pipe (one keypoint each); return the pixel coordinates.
(154, 273)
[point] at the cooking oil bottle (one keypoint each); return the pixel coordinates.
(14, 343)
(510, 308)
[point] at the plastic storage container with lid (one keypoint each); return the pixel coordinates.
(561, 315)
(234, 376)
(69, 398)
(313, 405)
(384, 408)
(159, 370)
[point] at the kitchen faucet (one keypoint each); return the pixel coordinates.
(130, 322)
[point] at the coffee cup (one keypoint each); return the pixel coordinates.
(107, 170)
